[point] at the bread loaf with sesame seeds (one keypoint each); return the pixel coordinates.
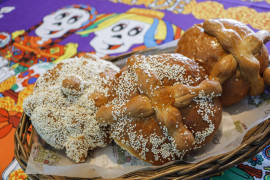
(64, 103)
(162, 107)
(232, 53)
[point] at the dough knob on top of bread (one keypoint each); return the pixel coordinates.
(72, 85)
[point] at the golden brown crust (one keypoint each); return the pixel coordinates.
(193, 120)
(235, 94)
(201, 47)
(266, 76)
(242, 43)
(151, 130)
(146, 113)
(222, 46)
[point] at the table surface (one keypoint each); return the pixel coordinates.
(18, 74)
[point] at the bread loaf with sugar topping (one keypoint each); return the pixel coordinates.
(64, 103)
(162, 107)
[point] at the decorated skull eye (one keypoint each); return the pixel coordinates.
(134, 31)
(73, 19)
(119, 27)
(61, 16)
(62, 21)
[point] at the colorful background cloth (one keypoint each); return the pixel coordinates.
(36, 34)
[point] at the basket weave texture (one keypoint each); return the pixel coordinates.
(254, 141)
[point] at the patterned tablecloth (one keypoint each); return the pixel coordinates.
(35, 34)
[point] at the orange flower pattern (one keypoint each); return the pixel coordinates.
(209, 9)
(18, 175)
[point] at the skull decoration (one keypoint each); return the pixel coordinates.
(57, 24)
(119, 37)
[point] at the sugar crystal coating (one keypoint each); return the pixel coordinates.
(62, 108)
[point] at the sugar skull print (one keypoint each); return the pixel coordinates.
(119, 37)
(25, 54)
(42, 42)
(135, 29)
(62, 21)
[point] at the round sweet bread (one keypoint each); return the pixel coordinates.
(230, 52)
(162, 107)
(64, 103)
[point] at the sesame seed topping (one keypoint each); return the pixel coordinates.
(60, 108)
(168, 70)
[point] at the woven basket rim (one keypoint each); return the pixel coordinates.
(255, 140)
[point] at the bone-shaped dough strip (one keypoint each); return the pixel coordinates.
(172, 119)
(138, 106)
(228, 38)
(242, 50)
(223, 69)
(166, 114)
(183, 94)
(158, 99)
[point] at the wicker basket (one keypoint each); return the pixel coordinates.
(254, 141)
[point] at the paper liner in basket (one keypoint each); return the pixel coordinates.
(112, 161)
